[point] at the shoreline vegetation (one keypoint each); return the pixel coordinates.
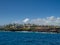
(30, 28)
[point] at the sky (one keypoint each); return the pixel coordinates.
(18, 10)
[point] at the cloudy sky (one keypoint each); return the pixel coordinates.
(44, 21)
(33, 11)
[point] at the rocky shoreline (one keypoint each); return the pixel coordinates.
(31, 28)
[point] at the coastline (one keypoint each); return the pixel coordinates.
(32, 32)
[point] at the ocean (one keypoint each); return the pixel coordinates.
(29, 38)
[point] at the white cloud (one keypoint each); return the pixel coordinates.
(44, 21)
(26, 20)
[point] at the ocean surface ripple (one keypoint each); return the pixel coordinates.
(21, 38)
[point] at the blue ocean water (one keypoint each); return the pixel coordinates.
(32, 38)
